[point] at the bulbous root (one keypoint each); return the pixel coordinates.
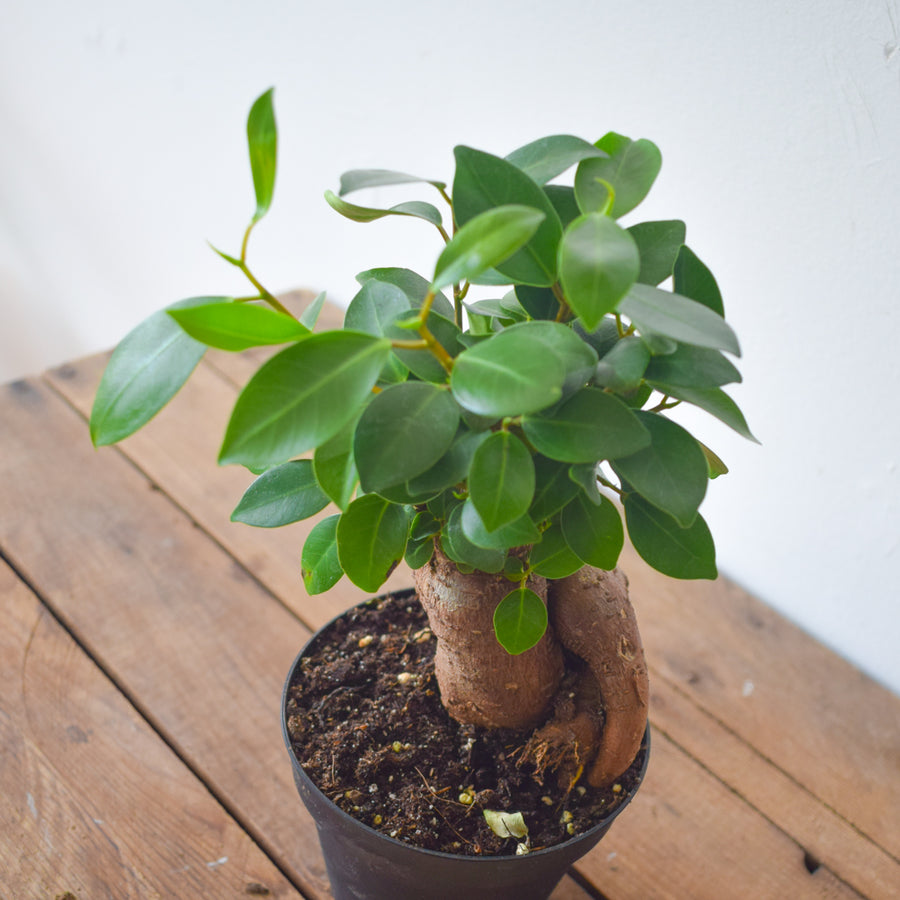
(480, 683)
(599, 721)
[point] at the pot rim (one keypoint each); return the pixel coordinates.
(604, 823)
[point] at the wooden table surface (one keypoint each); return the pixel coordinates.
(144, 639)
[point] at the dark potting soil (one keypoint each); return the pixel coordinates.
(368, 727)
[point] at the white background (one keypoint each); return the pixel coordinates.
(122, 151)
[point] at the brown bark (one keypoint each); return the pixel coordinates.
(480, 683)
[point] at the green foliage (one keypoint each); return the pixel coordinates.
(500, 428)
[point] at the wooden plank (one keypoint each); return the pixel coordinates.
(829, 727)
(180, 626)
(826, 838)
(688, 835)
(181, 461)
(199, 643)
(91, 800)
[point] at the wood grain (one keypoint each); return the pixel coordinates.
(91, 799)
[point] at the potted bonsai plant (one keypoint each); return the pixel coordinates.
(494, 444)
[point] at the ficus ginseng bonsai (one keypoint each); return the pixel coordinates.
(484, 441)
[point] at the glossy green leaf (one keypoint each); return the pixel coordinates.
(412, 284)
(262, 139)
(517, 533)
(548, 157)
(623, 367)
(281, 495)
(310, 316)
(539, 303)
(423, 363)
(593, 531)
(591, 426)
(450, 469)
(693, 367)
(374, 307)
(371, 540)
(419, 552)
(658, 244)
(319, 564)
(671, 473)
(302, 397)
(553, 488)
(483, 182)
(232, 326)
(145, 371)
(602, 338)
(598, 263)
(509, 374)
(416, 209)
(577, 357)
(693, 279)
(585, 476)
(678, 318)
(714, 463)
(461, 550)
(404, 431)
(501, 480)
(520, 620)
(484, 242)
(631, 169)
(662, 543)
(335, 468)
(714, 401)
(553, 557)
(562, 199)
(357, 179)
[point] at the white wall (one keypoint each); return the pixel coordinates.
(122, 151)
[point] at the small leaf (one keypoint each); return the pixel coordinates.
(598, 263)
(517, 533)
(501, 480)
(658, 244)
(539, 303)
(226, 257)
(591, 426)
(335, 468)
(553, 557)
(483, 182)
(262, 139)
(415, 208)
(145, 371)
(679, 318)
(281, 495)
(404, 431)
(302, 397)
(623, 367)
(671, 472)
(484, 242)
(357, 179)
(319, 563)
(631, 169)
(413, 285)
(693, 279)
(371, 540)
(593, 531)
(508, 374)
(715, 464)
(553, 488)
(548, 157)
(461, 550)
(310, 315)
(714, 401)
(662, 543)
(506, 824)
(520, 620)
(693, 367)
(419, 552)
(232, 326)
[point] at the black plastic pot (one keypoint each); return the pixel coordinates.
(364, 864)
